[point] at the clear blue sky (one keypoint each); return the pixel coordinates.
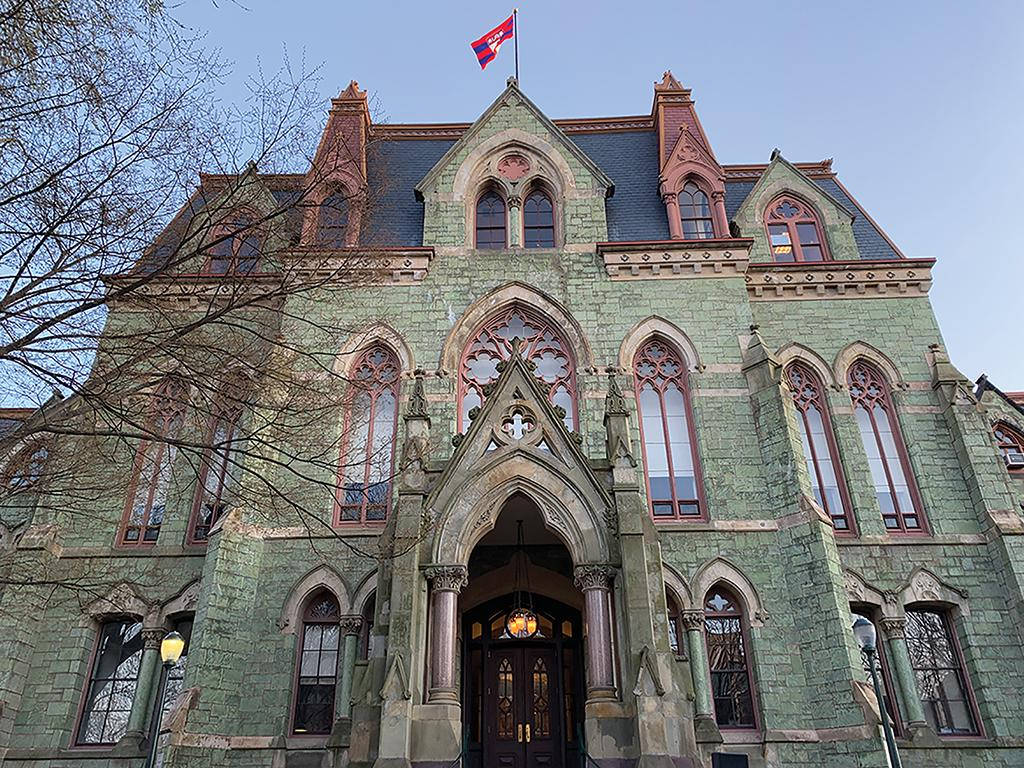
(919, 104)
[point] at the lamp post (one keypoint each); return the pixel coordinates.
(170, 651)
(864, 632)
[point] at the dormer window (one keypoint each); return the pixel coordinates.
(695, 213)
(491, 222)
(236, 249)
(538, 221)
(794, 232)
(332, 221)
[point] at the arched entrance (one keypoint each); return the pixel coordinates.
(522, 691)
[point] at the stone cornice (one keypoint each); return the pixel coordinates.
(414, 131)
(753, 171)
(661, 259)
(840, 280)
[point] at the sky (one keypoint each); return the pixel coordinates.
(918, 103)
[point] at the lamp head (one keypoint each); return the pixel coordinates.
(864, 631)
(171, 647)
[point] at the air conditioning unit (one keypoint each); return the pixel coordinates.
(1014, 459)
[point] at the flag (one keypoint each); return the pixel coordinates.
(486, 48)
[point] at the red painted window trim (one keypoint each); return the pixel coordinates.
(539, 191)
(681, 380)
(802, 402)
(1008, 439)
(945, 614)
(229, 415)
(883, 398)
(163, 423)
(90, 674)
(476, 213)
(232, 232)
(530, 349)
(300, 638)
(21, 464)
(710, 218)
(805, 215)
(375, 387)
(739, 613)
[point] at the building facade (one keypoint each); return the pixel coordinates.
(633, 437)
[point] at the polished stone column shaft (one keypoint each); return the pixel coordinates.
(693, 622)
(894, 629)
(595, 582)
(446, 583)
(350, 627)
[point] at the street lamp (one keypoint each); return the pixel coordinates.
(864, 632)
(170, 651)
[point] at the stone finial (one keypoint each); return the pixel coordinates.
(668, 82)
(352, 93)
(512, 82)
(417, 406)
(614, 402)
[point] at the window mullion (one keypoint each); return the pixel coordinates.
(668, 449)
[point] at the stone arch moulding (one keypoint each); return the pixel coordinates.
(925, 587)
(858, 590)
(849, 354)
(796, 352)
(658, 326)
(121, 600)
(367, 587)
(678, 587)
(470, 510)
(321, 577)
(512, 293)
(184, 602)
(546, 158)
(366, 337)
(721, 570)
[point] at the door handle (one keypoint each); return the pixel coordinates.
(527, 733)
(520, 729)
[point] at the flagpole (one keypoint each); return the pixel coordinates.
(515, 38)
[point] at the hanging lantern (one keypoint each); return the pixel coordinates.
(521, 622)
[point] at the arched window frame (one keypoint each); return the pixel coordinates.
(947, 614)
(25, 468)
(681, 380)
(676, 632)
(488, 191)
(538, 189)
(1010, 443)
(810, 393)
(531, 349)
(798, 241)
(366, 631)
(892, 701)
(236, 245)
(683, 198)
(153, 466)
(333, 218)
(905, 521)
(739, 614)
(219, 460)
(313, 619)
(131, 625)
(375, 388)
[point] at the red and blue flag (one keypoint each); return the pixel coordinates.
(486, 48)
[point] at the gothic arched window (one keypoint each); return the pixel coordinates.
(112, 683)
(1011, 446)
(154, 461)
(676, 635)
(942, 681)
(237, 246)
(883, 443)
(26, 467)
(371, 423)
(794, 232)
(318, 666)
(538, 220)
(332, 221)
(695, 213)
(732, 687)
(819, 444)
(540, 343)
(217, 469)
(672, 468)
(490, 221)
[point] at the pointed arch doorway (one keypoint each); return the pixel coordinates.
(522, 691)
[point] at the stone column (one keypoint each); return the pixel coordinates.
(350, 627)
(594, 581)
(515, 221)
(675, 225)
(718, 209)
(918, 730)
(446, 583)
(142, 706)
(704, 725)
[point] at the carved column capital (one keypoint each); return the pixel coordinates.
(589, 577)
(692, 619)
(351, 624)
(447, 578)
(893, 626)
(668, 198)
(718, 194)
(515, 201)
(152, 637)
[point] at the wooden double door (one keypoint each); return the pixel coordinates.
(522, 703)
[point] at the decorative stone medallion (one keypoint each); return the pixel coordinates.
(513, 167)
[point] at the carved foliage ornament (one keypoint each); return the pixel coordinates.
(593, 576)
(451, 578)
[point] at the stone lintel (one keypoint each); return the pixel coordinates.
(896, 278)
(673, 259)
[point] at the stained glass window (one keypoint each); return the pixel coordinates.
(318, 666)
(731, 686)
(883, 443)
(819, 445)
(540, 343)
(538, 221)
(938, 668)
(490, 221)
(670, 454)
(218, 469)
(695, 213)
(115, 675)
(154, 462)
(367, 463)
(794, 232)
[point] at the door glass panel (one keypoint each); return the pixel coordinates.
(506, 700)
(541, 701)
